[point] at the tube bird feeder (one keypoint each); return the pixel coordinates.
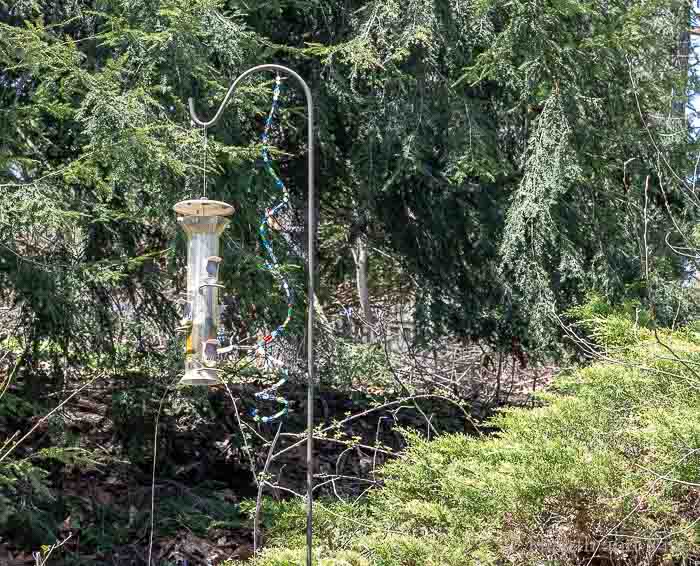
(203, 221)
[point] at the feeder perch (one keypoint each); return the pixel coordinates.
(203, 221)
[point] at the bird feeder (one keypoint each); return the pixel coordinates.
(203, 221)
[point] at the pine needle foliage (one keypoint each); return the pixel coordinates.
(472, 122)
(436, 123)
(536, 245)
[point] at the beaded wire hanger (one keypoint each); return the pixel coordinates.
(270, 221)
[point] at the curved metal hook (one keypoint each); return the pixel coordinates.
(310, 259)
(232, 88)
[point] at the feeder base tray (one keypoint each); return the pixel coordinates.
(201, 376)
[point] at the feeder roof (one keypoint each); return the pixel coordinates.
(203, 207)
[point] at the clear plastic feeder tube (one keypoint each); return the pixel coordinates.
(203, 221)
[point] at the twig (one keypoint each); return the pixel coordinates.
(153, 473)
(37, 555)
(407, 391)
(646, 229)
(245, 439)
(47, 416)
(362, 414)
(16, 367)
(336, 477)
(676, 356)
(349, 443)
(648, 130)
(261, 484)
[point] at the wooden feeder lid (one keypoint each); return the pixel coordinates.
(203, 207)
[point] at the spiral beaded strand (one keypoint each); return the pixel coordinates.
(272, 264)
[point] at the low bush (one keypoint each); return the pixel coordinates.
(609, 466)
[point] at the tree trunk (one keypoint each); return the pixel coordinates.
(361, 256)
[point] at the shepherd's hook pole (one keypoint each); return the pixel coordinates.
(311, 267)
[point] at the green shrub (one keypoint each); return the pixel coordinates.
(612, 327)
(26, 500)
(297, 557)
(604, 460)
